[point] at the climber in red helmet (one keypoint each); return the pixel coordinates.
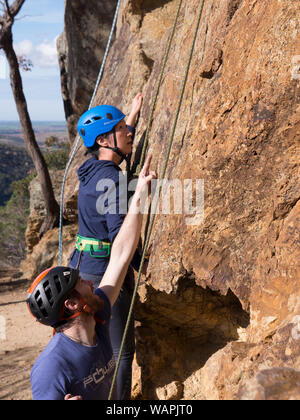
(78, 362)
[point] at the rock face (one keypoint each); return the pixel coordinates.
(219, 310)
(42, 254)
(37, 208)
(81, 49)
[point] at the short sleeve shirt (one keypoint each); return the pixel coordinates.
(68, 367)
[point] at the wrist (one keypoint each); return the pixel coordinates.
(132, 117)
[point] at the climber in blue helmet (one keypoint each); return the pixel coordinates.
(101, 126)
(109, 140)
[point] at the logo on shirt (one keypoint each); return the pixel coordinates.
(99, 374)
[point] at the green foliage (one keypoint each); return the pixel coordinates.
(57, 157)
(15, 164)
(13, 216)
(52, 141)
(13, 220)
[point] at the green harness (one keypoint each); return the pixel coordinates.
(92, 245)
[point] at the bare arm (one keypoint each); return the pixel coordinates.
(127, 239)
(135, 109)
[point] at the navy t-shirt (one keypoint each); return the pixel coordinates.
(67, 367)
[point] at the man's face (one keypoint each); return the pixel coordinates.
(86, 290)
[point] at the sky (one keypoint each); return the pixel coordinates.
(35, 31)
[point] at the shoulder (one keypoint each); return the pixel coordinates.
(49, 374)
(110, 170)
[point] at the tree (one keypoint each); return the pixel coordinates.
(52, 141)
(7, 18)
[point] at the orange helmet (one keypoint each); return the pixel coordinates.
(48, 292)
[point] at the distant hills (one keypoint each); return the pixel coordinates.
(15, 163)
(11, 133)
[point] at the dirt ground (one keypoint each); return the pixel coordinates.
(21, 338)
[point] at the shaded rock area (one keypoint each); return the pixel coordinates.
(218, 315)
(186, 328)
(42, 253)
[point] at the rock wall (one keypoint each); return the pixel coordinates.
(218, 314)
(81, 49)
(41, 254)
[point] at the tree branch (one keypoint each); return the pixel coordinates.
(2, 16)
(7, 9)
(14, 9)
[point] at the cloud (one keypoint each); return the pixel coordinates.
(41, 55)
(47, 18)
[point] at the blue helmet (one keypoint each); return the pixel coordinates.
(96, 121)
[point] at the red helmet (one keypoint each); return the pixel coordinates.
(48, 292)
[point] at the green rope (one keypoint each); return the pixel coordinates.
(145, 144)
(158, 195)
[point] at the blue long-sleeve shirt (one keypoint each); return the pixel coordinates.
(102, 207)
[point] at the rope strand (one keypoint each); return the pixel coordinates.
(145, 144)
(60, 246)
(158, 195)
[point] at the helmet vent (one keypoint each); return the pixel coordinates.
(109, 116)
(44, 312)
(49, 295)
(57, 284)
(87, 122)
(97, 118)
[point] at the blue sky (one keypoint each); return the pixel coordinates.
(35, 30)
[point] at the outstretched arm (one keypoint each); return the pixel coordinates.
(126, 241)
(135, 109)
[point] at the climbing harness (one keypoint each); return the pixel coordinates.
(159, 192)
(60, 247)
(93, 246)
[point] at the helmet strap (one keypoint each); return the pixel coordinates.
(115, 148)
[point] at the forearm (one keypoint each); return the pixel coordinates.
(135, 109)
(127, 239)
(123, 250)
(131, 119)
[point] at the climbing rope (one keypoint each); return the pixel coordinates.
(60, 247)
(149, 125)
(157, 196)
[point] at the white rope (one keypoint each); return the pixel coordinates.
(79, 138)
